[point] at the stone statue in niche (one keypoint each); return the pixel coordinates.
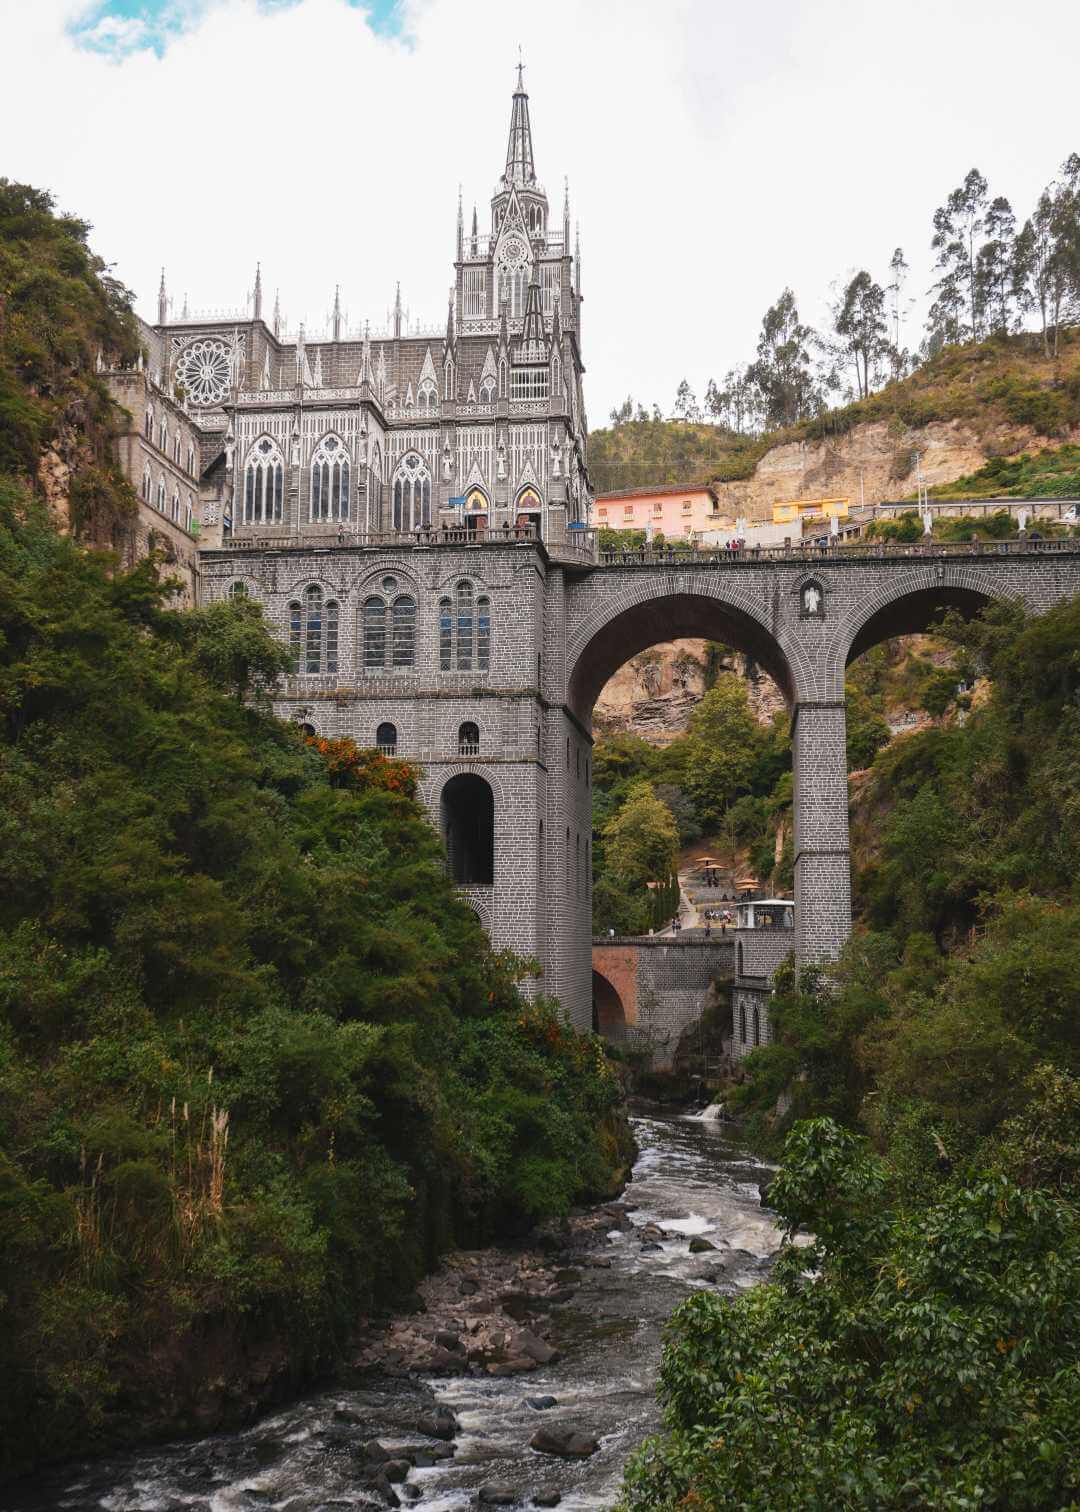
(813, 603)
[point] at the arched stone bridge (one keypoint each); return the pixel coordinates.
(491, 686)
(647, 990)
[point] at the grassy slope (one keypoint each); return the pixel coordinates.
(997, 387)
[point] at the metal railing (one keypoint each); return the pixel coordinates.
(839, 552)
(577, 546)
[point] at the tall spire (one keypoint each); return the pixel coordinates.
(162, 301)
(277, 312)
(577, 258)
(460, 226)
(337, 312)
(397, 311)
(256, 311)
(520, 169)
(473, 243)
(566, 217)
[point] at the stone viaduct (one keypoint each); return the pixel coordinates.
(490, 685)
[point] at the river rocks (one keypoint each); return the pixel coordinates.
(568, 1278)
(512, 1367)
(652, 1231)
(468, 1287)
(497, 1496)
(396, 1470)
(649, 1246)
(599, 1262)
(546, 1498)
(713, 1274)
(763, 1191)
(440, 1424)
(534, 1348)
(565, 1443)
(541, 1403)
(375, 1452)
(700, 1246)
(447, 1340)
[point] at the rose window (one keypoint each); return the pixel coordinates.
(205, 370)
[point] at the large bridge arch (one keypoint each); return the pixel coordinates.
(649, 611)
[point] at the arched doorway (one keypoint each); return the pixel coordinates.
(528, 511)
(468, 823)
(608, 1014)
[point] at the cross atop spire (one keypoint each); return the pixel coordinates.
(520, 169)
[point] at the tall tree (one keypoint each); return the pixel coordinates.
(994, 267)
(899, 308)
(859, 321)
(686, 405)
(1046, 265)
(783, 374)
(958, 225)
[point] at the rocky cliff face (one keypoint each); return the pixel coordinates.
(870, 464)
(655, 694)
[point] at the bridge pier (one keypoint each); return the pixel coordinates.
(822, 846)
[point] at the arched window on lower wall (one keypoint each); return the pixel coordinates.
(757, 1027)
(468, 822)
(742, 1023)
(386, 739)
(469, 739)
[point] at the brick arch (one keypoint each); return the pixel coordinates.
(905, 605)
(609, 1015)
(650, 609)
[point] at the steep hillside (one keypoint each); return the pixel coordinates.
(655, 694)
(968, 405)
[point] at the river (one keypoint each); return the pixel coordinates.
(690, 1178)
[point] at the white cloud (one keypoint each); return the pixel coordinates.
(715, 152)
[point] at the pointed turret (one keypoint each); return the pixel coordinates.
(460, 226)
(162, 301)
(577, 259)
(277, 312)
(450, 323)
(256, 303)
(474, 239)
(566, 217)
(520, 169)
(533, 335)
(397, 311)
(336, 318)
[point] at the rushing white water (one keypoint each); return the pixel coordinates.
(690, 1180)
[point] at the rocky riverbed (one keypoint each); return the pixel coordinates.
(521, 1378)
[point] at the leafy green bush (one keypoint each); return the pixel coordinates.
(933, 1359)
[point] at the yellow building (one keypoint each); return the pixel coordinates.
(796, 510)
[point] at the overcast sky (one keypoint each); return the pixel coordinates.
(715, 151)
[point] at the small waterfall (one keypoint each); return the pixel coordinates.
(712, 1113)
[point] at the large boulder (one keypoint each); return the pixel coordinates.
(440, 1423)
(497, 1496)
(700, 1246)
(565, 1443)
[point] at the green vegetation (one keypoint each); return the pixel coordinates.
(934, 1360)
(258, 1065)
(931, 1137)
(1054, 473)
(727, 776)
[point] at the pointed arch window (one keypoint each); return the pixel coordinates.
(487, 390)
(330, 480)
(147, 484)
(174, 513)
(427, 395)
(264, 484)
(189, 514)
(464, 630)
(469, 739)
(313, 632)
(150, 422)
(163, 435)
(161, 495)
(448, 379)
(374, 634)
(403, 631)
(191, 461)
(412, 494)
